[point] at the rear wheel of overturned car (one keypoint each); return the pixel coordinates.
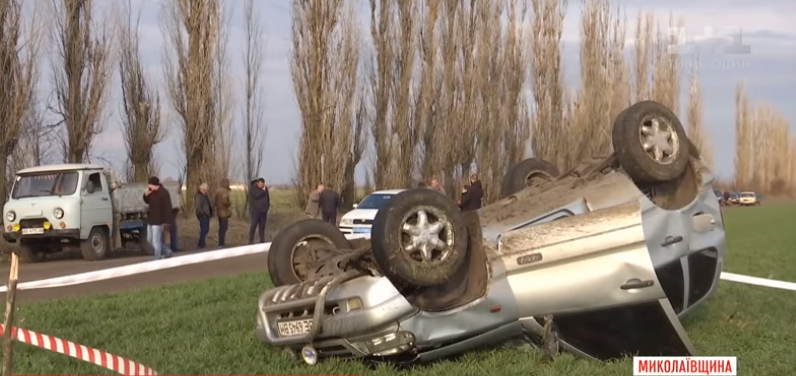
(419, 239)
(30, 253)
(650, 143)
(301, 247)
(527, 173)
(96, 246)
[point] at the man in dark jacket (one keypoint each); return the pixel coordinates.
(259, 203)
(160, 216)
(204, 211)
(329, 202)
(471, 200)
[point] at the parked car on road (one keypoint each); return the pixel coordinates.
(601, 261)
(360, 220)
(57, 207)
(734, 198)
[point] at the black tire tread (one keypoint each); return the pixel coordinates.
(386, 240)
(280, 262)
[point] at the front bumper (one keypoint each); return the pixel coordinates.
(348, 315)
(14, 236)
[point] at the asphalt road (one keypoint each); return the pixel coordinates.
(69, 265)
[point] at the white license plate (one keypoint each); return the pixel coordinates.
(31, 231)
(362, 231)
(294, 328)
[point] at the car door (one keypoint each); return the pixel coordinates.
(95, 206)
(593, 273)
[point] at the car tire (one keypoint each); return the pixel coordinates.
(443, 221)
(524, 173)
(281, 256)
(647, 120)
(28, 255)
(96, 246)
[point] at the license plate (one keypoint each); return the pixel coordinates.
(31, 231)
(294, 328)
(362, 231)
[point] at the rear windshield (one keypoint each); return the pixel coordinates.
(46, 184)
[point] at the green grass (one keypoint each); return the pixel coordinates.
(207, 327)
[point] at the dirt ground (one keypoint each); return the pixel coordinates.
(70, 263)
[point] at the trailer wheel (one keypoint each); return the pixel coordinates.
(96, 246)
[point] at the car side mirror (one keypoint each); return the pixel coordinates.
(89, 187)
(355, 206)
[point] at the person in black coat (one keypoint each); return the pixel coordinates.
(329, 202)
(259, 203)
(473, 196)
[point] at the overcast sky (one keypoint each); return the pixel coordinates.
(769, 70)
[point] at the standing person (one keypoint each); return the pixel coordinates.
(223, 207)
(204, 211)
(473, 197)
(313, 202)
(437, 185)
(329, 202)
(160, 213)
(259, 203)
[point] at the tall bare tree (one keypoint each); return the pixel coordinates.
(325, 67)
(81, 73)
(18, 72)
(697, 132)
(140, 102)
(193, 30)
(254, 127)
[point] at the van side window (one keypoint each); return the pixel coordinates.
(95, 179)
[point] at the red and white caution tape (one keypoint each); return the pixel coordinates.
(101, 358)
(149, 266)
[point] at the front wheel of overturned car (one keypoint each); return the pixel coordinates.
(650, 142)
(300, 247)
(526, 173)
(419, 239)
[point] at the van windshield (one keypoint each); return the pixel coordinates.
(45, 184)
(747, 194)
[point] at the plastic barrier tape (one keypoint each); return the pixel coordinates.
(101, 358)
(149, 266)
(739, 278)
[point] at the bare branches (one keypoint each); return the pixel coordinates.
(697, 131)
(140, 103)
(254, 127)
(19, 52)
(81, 74)
(195, 59)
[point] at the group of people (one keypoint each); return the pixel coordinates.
(220, 206)
(472, 194)
(324, 203)
(162, 217)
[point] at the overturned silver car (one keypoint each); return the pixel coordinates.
(601, 261)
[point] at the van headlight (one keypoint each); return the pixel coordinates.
(58, 213)
(346, 222)
(11, 216)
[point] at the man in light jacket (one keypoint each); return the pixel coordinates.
(437, 185)
(313, 208)
(223, 208)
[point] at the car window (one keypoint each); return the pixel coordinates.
(95, 179)
(747, 195)
(375, 201)
(46, 184)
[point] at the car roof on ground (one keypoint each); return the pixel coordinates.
(388, 191)
(60, 167)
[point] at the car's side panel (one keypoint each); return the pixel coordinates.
(595, 260)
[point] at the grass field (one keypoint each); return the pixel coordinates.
(207, 327)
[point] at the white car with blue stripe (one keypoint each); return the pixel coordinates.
(360, 220)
